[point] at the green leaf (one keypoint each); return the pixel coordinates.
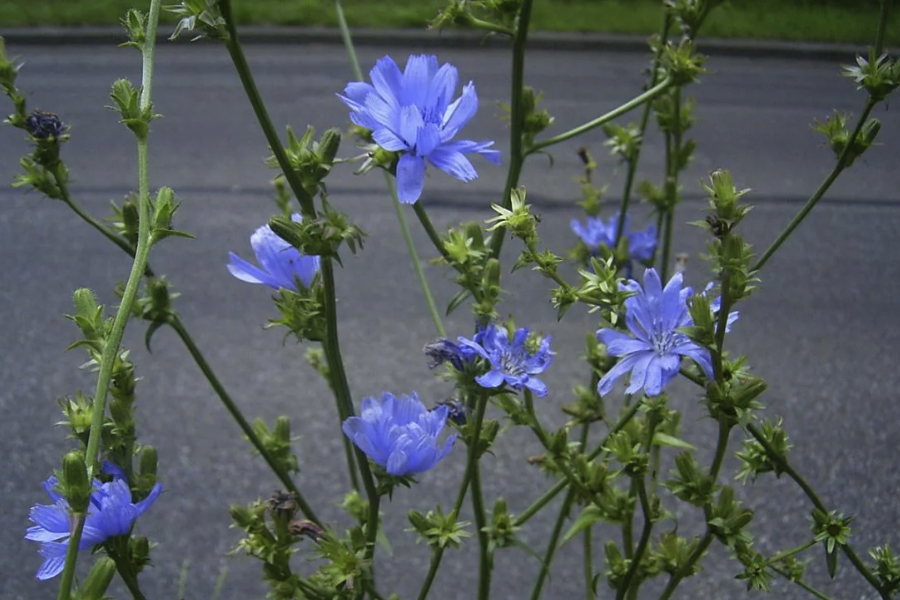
(590, 515)
(664, 439)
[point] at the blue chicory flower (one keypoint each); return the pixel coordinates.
(110, 513)
(282, 264)
(596, 232)
(443, 350)
(511, 361)
(414, 113)
(653, 355)
(400, 434)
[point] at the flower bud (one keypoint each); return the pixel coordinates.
(140, 551)
(283, 429)
(147, 466)
(98, 579)
(329, 145)
(76, 485)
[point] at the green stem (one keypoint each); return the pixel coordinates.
(339, 382)
(588, 563)
(262, 115)
(438, 553)
(236, 414)
(436, 557)
(789, 553)
(516, 119)
(128, 576)
(819, 194)
(560, 485)
(111, 348)
(392, 188)
(557, 527)
(706, 540)
(805, 586)
(676, 578)
(642, 542)
(642, 128)
(666, 245)
(603, 119)
(484, 566)
(786, 467)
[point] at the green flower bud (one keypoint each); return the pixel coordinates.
(76, 486)
(98, 579)
(329, 145)
(147, 465)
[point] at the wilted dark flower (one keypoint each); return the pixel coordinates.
(45, 125)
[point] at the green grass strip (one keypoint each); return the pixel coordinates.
(799, 20)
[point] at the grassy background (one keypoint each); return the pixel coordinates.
(811, 20)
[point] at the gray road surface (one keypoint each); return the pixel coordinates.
(821, 329)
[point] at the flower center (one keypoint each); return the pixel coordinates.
(511, 362)
(664, 341)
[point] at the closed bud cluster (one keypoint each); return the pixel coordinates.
(691, 13)
(879, 76)
(302, 312)
(681, 64)
(690, 482)
(628, 452)
(673, 554)
(439, 530)
(757, 459)
(886, 567)
(835, 129)
(624, 142)
(728, 520)
(277, 443)
(725, 202)
(756, 571)
(127, 100)
(321, 236)
(534, 121)
(734, 398)
(162, 211)
(616, 565)
(78, 412)
(8, 72)
(311, 159)
(135, 24)
(203, 16)
(139, 548)
(517, 219)
(457, 12)
(501, 530)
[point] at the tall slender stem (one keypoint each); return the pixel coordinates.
(516, 118)
(557, 527)
(883, 16)
(239, 418)
(484, 567)
(819, 193)
(588, 563)
(603, 119)
(392, 188)
(110, 353)
(232, 43)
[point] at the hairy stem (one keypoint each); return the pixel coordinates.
(110, 353)
(484, 561)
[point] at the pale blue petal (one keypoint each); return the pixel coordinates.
(428, 138)
(536, 385)
(388, 140)
(417, 76)
(387, 80)
(410, 178)
(460, 112)
(608, 381)
(248, 272)
(453, 163)
(54, 560)
(639, 370)
(441, 90)
(410, 123)
(491, 379)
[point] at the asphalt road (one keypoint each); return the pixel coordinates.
(820, 329)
